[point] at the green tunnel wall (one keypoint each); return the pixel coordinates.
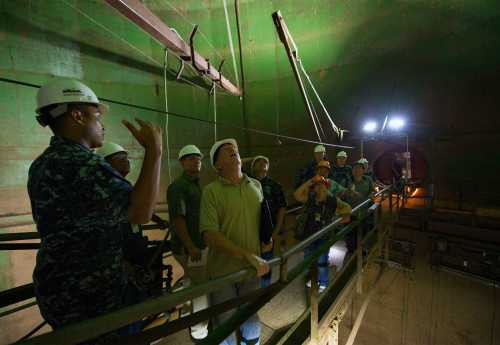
(434, 61)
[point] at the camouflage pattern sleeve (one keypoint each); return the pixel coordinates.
(104, 193)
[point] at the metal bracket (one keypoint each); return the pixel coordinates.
(208, 67)
(181, 68)
(219, 79)
(212, 88)
(191, 47)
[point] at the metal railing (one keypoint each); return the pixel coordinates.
(92, 328)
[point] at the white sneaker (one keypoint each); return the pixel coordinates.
(322, 288)
(198, 334)
(308, 284)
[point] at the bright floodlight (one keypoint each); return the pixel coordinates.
(396, 123)
(370, 126)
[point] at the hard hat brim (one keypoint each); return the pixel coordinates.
(217, 145)
(191, 154)
(103, 108)
(257, 158)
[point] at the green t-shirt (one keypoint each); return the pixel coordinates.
(335, 187)
(183, 197)
(364, 188)
(233, 210)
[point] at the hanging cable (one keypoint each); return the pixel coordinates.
(182, 116)
(334, 127)
(215, 115)
(192, 24)
(134, 48)
(292, 53)
(313, 108)
(231, 47)
(165, 68)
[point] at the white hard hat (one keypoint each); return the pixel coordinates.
(363, 161)
(190, 150)
(63, 91)
(218, 144)
(319, 148)
(256, 158)
(342, 154)
(108, 149)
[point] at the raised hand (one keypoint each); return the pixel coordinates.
(148, 135)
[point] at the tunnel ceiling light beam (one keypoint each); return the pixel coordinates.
(149, 22)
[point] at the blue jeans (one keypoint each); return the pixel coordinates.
(265, 280)
(250, 329)
(322, 262)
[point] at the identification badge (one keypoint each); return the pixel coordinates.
(317, 217)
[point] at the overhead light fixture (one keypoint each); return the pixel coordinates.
(396, 123)
(370, 127)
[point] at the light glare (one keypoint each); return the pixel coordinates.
(396, 123)
(370, 126)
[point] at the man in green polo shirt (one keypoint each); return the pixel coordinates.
(230, 226)
(183, 197)
(361, 187)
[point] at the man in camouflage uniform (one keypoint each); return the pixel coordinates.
(78, 202)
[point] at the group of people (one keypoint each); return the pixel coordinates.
(87, 213)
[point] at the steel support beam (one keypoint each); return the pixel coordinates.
(149, 22)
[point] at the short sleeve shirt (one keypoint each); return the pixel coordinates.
(234, 211)
(364, 188)
(78, 203)
(273, 193)
(184, 197)
(335, 187)
(342, 175)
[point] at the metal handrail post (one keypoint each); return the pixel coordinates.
(359, 265)
(313, 297)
